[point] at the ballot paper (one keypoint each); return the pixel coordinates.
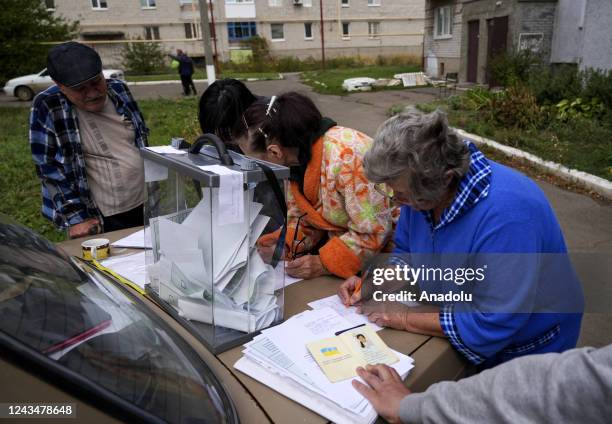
(237, 319)
(131, 267)
(213, 273)
(230, 194)
(279, 358)
(138, 240)
(348, 312)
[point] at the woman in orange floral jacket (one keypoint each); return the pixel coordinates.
(336, 219)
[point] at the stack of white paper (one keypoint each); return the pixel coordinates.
(138, 240)
(210, 270)
(278, 358)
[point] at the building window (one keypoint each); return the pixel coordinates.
(237, 31)
(346, 32)
(443, 22)
(308, 31)
(345, 3)
(192, 31)
(99, 4)
(373, 29)
(50, 4)
(152, 33)
(275, 3)
(277, 32)
(147, 4)
(373, 2)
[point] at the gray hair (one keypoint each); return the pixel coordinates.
(421, 148)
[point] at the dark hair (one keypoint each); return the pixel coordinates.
(222, 105)
(292, 122)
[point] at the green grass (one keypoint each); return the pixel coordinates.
(585, 145)
(20, 196)
(199, 74)
(330, 81)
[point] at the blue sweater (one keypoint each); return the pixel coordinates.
(514, 217)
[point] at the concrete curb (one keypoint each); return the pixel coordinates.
(591, 182)
(280, 77)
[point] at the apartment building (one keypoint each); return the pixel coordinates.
(463, 36)
(292, 27)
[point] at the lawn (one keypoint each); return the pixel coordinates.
(20, 197)
(585, 145)
(330, 81)
(200, 74)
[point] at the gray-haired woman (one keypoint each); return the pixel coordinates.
(454, 200)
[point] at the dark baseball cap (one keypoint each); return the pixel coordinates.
(73, 63)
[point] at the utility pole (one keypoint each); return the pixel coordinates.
(210, 65)
(322, 34)
(214, 37)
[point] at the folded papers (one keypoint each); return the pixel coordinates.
(210, 270)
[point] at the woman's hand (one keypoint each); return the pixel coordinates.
(307, 266)
(266, 247)
(422, 319)
(384, 391)
(397, 320)
(347, 291)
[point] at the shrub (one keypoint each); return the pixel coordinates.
(513, 67)
(550, 86)
(143, 57)
(517, 107)
(598, 85)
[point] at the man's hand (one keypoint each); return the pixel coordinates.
(88, 227)
(385, 390)
(347, 293)
(307, 266)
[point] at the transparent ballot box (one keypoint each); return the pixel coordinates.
(205, 216)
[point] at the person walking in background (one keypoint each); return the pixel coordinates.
(185, 70)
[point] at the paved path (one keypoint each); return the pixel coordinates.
(587, 224)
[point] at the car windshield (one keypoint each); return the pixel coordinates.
(81, 319)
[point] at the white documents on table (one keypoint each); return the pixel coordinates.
(348, 312)
(133, 267)
(278, 358)
(138, 240)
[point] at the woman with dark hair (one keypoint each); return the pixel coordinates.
(336, 219)
(222, 105)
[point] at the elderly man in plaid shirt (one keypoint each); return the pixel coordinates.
(85, 136)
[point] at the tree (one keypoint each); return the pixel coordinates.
(24, 26)
(143, 57)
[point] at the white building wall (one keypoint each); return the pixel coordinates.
(401, 25)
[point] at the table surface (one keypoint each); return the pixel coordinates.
(434, 358)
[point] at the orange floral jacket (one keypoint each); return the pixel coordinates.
(338, 201)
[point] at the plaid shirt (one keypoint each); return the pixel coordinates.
(473, 188)
(57, 152)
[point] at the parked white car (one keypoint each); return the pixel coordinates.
(24, 88)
